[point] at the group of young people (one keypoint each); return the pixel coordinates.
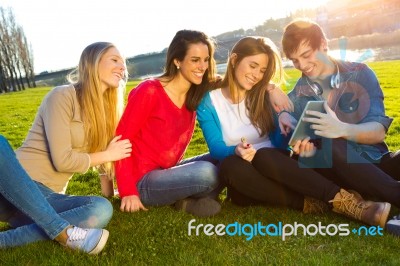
(246, 120)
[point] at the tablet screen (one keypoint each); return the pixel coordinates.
(303, 128)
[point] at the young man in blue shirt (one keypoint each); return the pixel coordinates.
(353, 129)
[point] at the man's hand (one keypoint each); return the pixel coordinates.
(326, 125)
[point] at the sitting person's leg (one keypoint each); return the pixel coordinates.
(207, 158)
(246, 187)
(19, 194)
(365, 177)
(277, 165)
(390, 164)
(83, 211)
(240, 199)
(195, 180)
(241, 175)
(202, 157)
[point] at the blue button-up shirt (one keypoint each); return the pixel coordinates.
(358, 99)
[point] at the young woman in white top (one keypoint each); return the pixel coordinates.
(239, 126)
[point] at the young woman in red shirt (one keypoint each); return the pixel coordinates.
(159, 121)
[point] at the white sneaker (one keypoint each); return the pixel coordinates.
(393, 226)
(91, 241)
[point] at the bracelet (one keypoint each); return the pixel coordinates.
(283, 111)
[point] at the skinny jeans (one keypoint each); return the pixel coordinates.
(34, 212)
(195, 177)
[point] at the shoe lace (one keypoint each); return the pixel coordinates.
(348, 204)
(77, 234)
(396, 217)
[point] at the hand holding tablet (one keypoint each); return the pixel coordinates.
(303, 129)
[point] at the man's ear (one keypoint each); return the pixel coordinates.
(233, 59)
(324, 45)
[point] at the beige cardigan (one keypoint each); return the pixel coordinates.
(54, 148)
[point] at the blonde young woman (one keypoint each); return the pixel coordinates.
(75, 125)
(240, 128)
(74, 130)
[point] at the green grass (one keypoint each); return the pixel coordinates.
(159, 236)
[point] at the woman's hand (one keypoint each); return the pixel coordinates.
(278, 98)
(286, 122)
(304, 148)
(118, 149)
(245, 151)
(131, 204)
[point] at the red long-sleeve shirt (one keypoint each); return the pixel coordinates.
(158, 130)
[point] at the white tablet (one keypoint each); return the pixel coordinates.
(303, 128)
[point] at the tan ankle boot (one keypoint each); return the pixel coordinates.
(354, 206)
(312, 205)
(356, 194)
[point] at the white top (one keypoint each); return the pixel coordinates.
(235, 122)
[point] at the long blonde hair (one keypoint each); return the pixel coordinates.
(100, 111)
(257, 99)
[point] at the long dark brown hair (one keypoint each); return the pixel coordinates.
(177, 50)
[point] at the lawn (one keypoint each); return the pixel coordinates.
(160, 235)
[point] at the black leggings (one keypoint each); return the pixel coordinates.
(274, 178)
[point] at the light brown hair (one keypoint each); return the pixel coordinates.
(257, 99)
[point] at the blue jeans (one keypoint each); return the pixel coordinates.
(194, 177)
(37, 213)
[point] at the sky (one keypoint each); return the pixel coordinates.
(58, 30)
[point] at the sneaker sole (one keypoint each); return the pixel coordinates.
(393, 227)
(102, 242)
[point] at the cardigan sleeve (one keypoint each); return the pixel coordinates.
(211, 127)
(57, 114)
(137, 111)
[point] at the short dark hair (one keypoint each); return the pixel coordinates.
(301, 30)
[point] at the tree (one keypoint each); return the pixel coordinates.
(16, 60)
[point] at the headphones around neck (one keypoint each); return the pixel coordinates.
(333, 84)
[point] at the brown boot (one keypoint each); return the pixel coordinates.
(356, 194)
(369, 212)
(312, 205)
